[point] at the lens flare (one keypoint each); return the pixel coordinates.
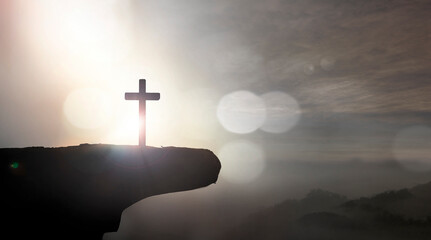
(14, 165)
(241, 112)
(282, 112)
(242, 161)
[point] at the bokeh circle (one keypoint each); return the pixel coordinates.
(282, 112)
(242, 161)
(241, 112)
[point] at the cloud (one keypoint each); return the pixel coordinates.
(335, 56)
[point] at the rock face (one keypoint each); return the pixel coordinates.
(80, 192)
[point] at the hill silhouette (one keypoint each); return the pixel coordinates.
(398, 214)
(79, 192)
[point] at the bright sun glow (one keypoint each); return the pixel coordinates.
(81, 33)
(126, 131)
(94, 44)
(88, 108)
(89, 46)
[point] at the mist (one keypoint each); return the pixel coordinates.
(291, 95)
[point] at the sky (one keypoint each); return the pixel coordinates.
(266, 85)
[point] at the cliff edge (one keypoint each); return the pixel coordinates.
(79, 192)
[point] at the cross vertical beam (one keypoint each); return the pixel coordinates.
(142, 96)
(142, 113)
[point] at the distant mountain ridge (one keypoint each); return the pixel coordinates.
(396, 214)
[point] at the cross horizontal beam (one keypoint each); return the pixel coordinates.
(145, 96)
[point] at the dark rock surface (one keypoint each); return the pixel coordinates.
(79, 192)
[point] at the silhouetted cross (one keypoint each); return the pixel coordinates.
(142, 96)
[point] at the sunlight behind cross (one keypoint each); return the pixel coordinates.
(142, 96)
